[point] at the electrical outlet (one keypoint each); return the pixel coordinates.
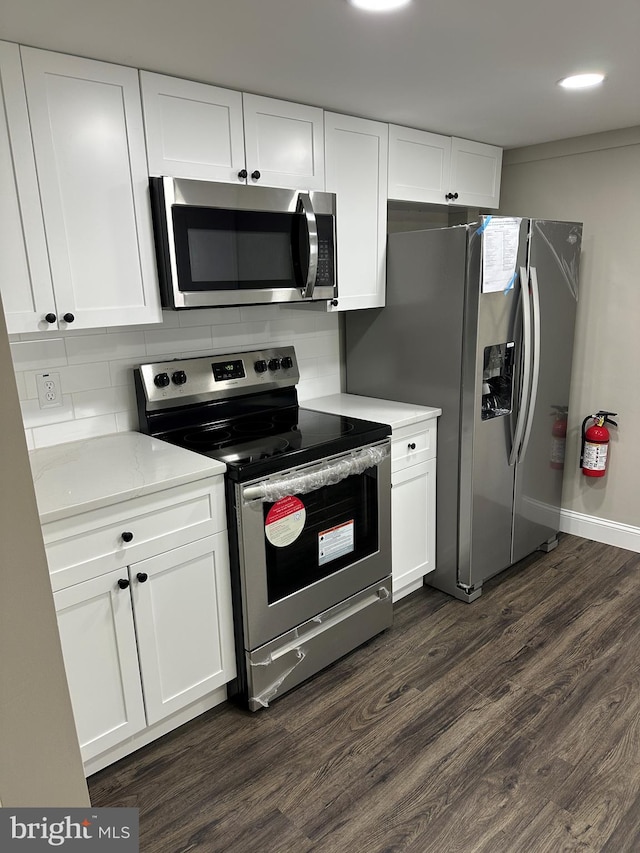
(49, 391)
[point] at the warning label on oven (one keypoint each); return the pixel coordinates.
(335, 542)
(285, 521)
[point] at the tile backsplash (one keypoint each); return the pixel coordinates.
(95, 365)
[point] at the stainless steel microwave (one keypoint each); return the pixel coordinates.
(225, 244)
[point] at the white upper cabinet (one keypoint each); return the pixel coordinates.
(430, 168)
(88, 141)
(193, 130)
(284, 143)
(476, 170)
(356, 153)
(25, 278)
(199, 131)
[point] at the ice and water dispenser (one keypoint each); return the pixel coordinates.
(497, 380)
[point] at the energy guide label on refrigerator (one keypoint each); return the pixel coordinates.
(335, 542)
(285, 521)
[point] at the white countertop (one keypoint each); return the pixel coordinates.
(92, 473)
(371, 409)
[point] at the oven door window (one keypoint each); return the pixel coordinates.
(340, 528)
(222, 250)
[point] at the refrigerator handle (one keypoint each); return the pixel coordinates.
(525, 382)
(535, 293)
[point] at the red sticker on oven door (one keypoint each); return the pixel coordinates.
(285, 521)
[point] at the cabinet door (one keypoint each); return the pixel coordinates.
(86, 122)
(284, 143)
(476, 171)
(182, 604)
(413, 528)
(356, 153)
(99, 647)
(25, 279)
(419, 165)
(193, 130)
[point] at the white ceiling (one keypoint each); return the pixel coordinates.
(479, 70)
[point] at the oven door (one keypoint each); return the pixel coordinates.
(318, 535)
(222, 244)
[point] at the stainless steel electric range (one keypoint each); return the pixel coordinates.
(308, 509)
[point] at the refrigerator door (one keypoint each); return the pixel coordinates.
(554, 255)
(491, 393)
(411, 351)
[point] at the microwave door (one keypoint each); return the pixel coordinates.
(305, 207)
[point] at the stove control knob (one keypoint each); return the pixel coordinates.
(274, 364)
(287, 362)
(179, 377)
(161, 380)
(260, 366)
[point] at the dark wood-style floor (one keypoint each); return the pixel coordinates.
(506, 726)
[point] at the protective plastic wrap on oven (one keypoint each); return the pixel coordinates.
(325, 475)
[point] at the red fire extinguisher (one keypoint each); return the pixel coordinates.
(558, 437)
(595, 444)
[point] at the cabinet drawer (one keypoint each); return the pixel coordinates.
(91, 544)
(413, 444)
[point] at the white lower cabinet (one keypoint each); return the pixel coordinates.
(151, 641)
(185, 636)
(99, 647)
(413, 506)
(413, 493)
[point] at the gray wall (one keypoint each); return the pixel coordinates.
(596, 180)
(40, 761)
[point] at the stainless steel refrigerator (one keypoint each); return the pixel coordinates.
(479, 320)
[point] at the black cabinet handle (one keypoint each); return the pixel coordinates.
(255, 175)
(50, 318)
(68, 318)
(127, 536)
(143, 577)
(412, 445)
(451, 196)
(242, 174)
(123, 583)
(334, 302)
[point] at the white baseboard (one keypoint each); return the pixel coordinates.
(600, 529)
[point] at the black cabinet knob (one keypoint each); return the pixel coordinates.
(242, 174)
(334, 302)
(68, 318)
(255, 175)
(451, 196)
(143, 577)
(50, 318)
(123, 583)
(412, 445)
(127, 536)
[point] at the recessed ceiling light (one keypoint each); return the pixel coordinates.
(379, 5)
(581, 81)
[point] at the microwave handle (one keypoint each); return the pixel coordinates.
(305, 207)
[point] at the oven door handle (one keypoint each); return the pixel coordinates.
(328, 474)
(305, 207)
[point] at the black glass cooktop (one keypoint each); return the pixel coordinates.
(271, 441)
